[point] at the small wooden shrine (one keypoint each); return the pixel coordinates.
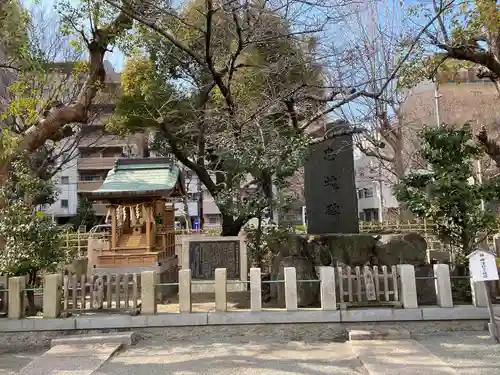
(137, 192)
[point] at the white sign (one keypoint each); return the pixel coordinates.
(483, 266)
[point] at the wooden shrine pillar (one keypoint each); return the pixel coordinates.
(113, 226)
(147, 219)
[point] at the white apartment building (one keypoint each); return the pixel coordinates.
(374, 190)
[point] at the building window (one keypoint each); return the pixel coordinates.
(360, 193)
(368, 193)
(64, 180)
(213, 220)
(64, 203)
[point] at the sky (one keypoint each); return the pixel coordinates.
(116, 57)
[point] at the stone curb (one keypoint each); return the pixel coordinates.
(246, 317)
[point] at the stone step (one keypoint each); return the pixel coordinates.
(377, 333)
(71, 359)
(123, 338)
(408, 357)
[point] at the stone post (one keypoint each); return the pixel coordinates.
(290, 289)
(148, 292)
(243, 260)
(16, 297)
(496, 244)
(478, 291)
(255, 290)
(408, 293)
(327, 288)
(442, 282)
(220, 289)
(185, 254)
(185, 291)
(52, 296)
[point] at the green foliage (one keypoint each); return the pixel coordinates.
(246, 133)
(469, 25)
(446, 194)
(264, 241)
(85, 215)
(32, 242)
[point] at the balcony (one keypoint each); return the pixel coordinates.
(102, 140)
(85, 186)
(96, 163)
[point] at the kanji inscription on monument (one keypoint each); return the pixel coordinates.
(329, 185)
(205, 257)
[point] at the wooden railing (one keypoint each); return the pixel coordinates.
(103, 292)
(367, 284)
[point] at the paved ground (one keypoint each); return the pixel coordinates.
(10, 364)
(458, 353)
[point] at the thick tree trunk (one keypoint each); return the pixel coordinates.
(230, 226)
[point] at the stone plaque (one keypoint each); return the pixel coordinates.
(206, 256)
(330, 189)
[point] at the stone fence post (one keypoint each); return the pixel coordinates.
(408, 285)
(291, 289)
(52, 296)
(16, 297)
(255, 289)
(478, 291)
(148, 292)
(185, 305)
(327, 288)
(443, 285)
(220, 289)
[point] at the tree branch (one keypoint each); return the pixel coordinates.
(77, 111)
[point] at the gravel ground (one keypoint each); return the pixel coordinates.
(468, 353)
(264, 358)
(460, 353)
(10, 364)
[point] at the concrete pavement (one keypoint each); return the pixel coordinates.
(458, 353)
(242, 359)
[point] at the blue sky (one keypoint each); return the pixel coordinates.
(116, 57)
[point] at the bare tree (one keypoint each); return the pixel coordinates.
(48, 119)
(467, 34)
(276, 53)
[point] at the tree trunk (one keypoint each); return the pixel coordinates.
(399, 171)
(30, 294)
(231, 227)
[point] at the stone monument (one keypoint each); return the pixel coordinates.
(329, 184)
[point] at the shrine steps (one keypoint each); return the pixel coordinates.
(132, 240)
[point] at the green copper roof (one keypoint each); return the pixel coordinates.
(135, 177)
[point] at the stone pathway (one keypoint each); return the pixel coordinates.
(71, 360)
(446, 354)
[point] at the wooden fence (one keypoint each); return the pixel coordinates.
(360, 285)
(103, 292)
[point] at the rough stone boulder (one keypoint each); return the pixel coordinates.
(409, 248)
(334, 249)
(307, 293)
